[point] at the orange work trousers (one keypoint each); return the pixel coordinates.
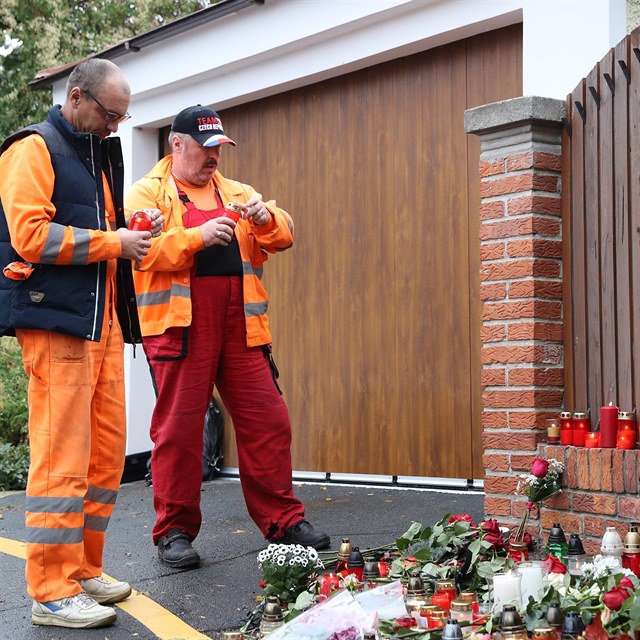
(77, 436)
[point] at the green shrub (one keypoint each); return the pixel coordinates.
(14, 415)
(14, 465)
(13, 394)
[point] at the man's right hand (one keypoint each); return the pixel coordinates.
(135, 244)
(217, 231)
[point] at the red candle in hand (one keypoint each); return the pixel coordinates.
(140, 221)
(608, 426)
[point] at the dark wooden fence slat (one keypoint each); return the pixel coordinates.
(622, 222)
(607, 240)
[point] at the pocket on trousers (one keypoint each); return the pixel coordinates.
(66, 348)
(173, 344)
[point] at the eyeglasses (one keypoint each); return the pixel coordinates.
(109, 116)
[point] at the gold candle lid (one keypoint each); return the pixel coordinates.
(445, 584)
(566, 414)
(626, 415)
(345, 549)
(544, 633)
(579, 415)
(438, 614)
(234, 206)
(461, 605)
(468, 596)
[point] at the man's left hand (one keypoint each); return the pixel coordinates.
(257, 213)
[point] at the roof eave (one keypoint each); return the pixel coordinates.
(47, 77)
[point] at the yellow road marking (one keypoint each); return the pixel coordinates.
(157, 619)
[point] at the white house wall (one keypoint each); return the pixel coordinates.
(284, 44)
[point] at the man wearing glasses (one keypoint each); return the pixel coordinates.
(62, 232)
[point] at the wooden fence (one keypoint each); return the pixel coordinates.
(601, 225)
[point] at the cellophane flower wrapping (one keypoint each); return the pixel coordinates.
(541, 483)
(345, 616)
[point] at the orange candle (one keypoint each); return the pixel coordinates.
(592, 440)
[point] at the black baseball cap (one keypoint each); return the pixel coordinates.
(202, 124)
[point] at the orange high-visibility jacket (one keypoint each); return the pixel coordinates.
(162, 282)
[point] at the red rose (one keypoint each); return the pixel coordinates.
(539, 468)
(491, 526)
(555, 565)
(613, 599)
(262, 584)
(494, 539)
(399, 623)
(460, 517)
(410, 561)
(626, 582)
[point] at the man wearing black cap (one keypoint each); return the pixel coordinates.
(203, 313)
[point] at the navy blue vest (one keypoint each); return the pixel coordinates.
(70, 299)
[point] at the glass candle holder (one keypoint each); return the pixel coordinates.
(592, 440)
(507, 589)
(441, 600)
(552, 426)
(532, 583)
(437, 618)
(627, 421)
(581, 426)
(472, 597)
(626, 440)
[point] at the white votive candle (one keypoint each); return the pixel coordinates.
(506, 589)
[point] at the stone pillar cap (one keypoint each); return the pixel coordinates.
(513, 112)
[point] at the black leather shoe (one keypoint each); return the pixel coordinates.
(175, 550)
(303, 533)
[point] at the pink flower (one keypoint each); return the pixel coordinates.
(539, 468)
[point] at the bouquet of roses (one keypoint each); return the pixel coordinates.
(542, 482)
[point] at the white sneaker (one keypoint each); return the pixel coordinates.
(78, 612)
(105, 592)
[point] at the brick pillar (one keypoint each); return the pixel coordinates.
(521, 288)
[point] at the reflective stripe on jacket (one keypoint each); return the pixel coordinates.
(162, 282)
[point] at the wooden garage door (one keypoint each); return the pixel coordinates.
(375, 311)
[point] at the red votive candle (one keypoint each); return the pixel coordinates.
(581, 426)
(566, 428)
(626, 440)
(608, 425)
(592, 440)
(442, 600)
(627, 422)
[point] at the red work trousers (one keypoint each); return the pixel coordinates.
(185, 364)
(77, 436)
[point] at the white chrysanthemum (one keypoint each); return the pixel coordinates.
(312, 554)
(262, 556)
(603, 566)
(281, 561)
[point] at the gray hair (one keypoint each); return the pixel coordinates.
(175, 134)
(91, 75)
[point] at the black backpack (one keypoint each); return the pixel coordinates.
(213, 438)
